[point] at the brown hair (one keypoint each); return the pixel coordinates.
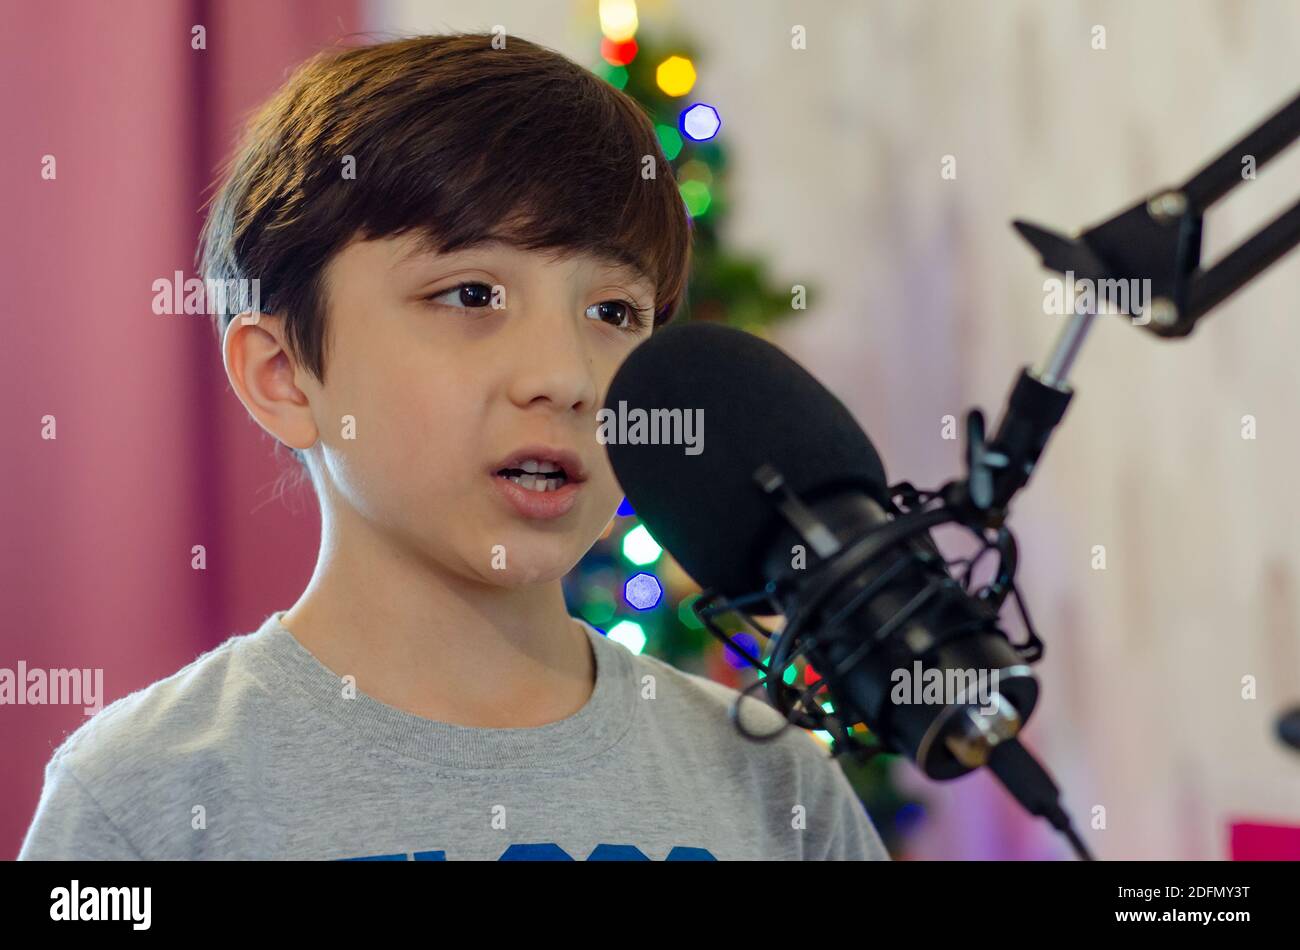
(451, 138)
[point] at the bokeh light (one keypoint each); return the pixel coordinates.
(643, 591)
(746, 643)
(598, 607)
(686, 613)
(675, 76)
(639, 547)
(616, 76)
(618, 19)
(629, 633)
(700, 122)
(670, 140)
(618, 54)
(696, 196)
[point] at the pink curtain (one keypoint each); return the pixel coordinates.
(153, 454)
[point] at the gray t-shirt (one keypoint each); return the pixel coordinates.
(254, 751)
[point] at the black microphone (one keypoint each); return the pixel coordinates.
(1288, 727)
(780, 506)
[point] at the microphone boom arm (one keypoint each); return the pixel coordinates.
(1159, 238)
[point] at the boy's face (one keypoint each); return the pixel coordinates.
(445, 389)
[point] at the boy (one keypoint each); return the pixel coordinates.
(456, 246)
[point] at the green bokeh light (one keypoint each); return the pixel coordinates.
(640, 548)
(697, 197)
(670, 140)
(616, 76)
(599, 607)
(630, 634)
(686, 613)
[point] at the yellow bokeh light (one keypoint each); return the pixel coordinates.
(675, 75)
(618, 19)
(695, 170)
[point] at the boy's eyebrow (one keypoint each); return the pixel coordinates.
(619, 262)
(426, 247)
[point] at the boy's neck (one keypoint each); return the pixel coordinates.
(440, 646)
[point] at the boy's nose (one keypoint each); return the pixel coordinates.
(552, 366)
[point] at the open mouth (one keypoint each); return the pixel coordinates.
(536, 475)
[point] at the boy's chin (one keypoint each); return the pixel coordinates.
(527, 575)
(519, 568)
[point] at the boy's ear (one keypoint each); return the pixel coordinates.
(262, 372)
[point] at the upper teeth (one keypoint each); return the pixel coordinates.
(533, 465)
(537, 475)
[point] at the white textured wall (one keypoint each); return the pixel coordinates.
(929, 303)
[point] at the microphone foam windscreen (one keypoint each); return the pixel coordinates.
(714, 404)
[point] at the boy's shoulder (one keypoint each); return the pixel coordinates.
(161, 724)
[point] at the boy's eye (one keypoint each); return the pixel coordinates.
(464, 295)
(620, 313)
